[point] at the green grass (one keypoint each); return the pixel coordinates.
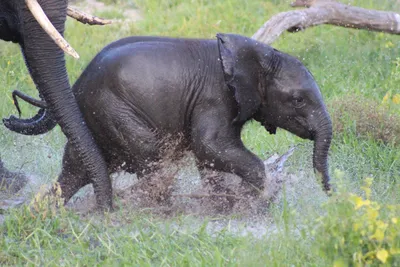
(344, 62)
(143, 241)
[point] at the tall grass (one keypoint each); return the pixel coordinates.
(345, 62)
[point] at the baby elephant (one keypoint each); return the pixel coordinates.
(139, 90)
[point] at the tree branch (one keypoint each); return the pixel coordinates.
(327, 12)
(86, 18)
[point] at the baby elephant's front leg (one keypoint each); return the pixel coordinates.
(230, 156)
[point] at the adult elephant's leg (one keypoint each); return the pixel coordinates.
(11, 182)
(72, 177)
(220, 148)
(46, 63)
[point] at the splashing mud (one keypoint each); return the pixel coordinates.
(176, 188)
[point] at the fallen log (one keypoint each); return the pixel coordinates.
(327, 12)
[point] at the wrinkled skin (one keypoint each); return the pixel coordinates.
(140, 89)
(47, 68)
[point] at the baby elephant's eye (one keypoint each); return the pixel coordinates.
(298, 102)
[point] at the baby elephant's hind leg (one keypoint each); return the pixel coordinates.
(73, 177)
(137, 144)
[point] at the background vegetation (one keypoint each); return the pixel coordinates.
(359, 75)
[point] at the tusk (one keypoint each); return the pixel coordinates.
(45, 23)
(86, 18)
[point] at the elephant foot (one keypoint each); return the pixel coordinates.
(11, 182)
(226, 193)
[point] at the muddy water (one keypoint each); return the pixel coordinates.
(177, 189)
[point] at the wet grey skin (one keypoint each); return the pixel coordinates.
(141, 89)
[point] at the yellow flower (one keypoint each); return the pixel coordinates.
(379, 235)
(368, 181)
(381, 225)
(356, 226)
(339, 263)
(359, 202)
(396, 99)
(367, 191)
(372, 214)
(382, 255)
(8, 62)
(386, 97)
(389, 44)
(394, 220)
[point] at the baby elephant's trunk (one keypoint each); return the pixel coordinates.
(322, 142)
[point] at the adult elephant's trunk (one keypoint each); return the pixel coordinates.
(322, 142)
(46, 63)
(43, 121)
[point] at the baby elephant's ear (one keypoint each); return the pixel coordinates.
(241, 71)
(226, 49)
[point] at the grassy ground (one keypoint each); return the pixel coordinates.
(347, 64)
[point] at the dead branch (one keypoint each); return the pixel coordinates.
(86, 18)
(327, 12)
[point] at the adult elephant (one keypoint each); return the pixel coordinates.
(38, 26)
